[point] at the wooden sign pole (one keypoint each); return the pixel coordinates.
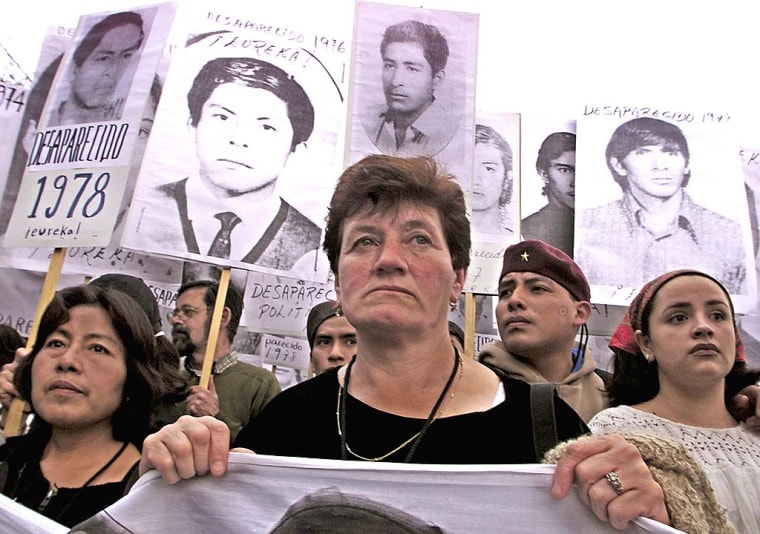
(14, 420)
(216, 321)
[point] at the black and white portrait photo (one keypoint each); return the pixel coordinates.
(414, 81)
(674, 208)
(232, 131)
(494, 191)
(103, 66)
(551, 153)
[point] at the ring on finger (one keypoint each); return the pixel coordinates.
(614, 480)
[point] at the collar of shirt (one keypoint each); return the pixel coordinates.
(219, 366)
(418, 134)
(681, 223)
(255, 216)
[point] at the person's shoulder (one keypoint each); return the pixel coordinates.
(535, 217)
(611, 417)
(373, 115)
(711, 218)
(172, 189)
(22, 446)
(253, 371)
(609, 209)
(298, 219)
(309, 393)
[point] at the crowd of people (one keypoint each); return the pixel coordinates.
(392, 382)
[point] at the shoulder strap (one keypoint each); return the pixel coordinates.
(543, 418)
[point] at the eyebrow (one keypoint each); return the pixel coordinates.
(532, 279)
(214, 105)
(92, 336)
(132, 48)
(95, 335)
(713, 302)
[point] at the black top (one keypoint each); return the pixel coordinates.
(301, 421)
(24, 482)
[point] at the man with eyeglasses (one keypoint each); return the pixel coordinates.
(237, 391)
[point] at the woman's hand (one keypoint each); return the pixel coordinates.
(589, 460)
(191, 446)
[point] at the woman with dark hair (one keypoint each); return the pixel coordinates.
(398, 242)
(678, 360)
(91, 380)
(176, 385)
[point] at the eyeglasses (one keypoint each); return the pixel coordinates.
(184, 313)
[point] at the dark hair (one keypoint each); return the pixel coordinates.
(233, 301)
(379, 183)
(256, 74)
(553, 147)
(168, 357)
(434, 45)
(488, 136)
(95, 34)
(641, 132)
(143, 384)
(10, 340)
(635, 380)
(156, 88)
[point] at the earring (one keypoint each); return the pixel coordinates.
(453, 305)
(648, 357)
(338, 310)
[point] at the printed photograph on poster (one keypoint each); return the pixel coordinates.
(495, 188)
(243, 129)
(485, 318)
(547, 181)
(75, 172)
(53, 46)
(13, 98)
(750, 322)
(414, 82)
(660, 190)
(96, 80)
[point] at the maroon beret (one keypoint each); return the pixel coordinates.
(541, 258)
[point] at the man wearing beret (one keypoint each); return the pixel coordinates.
(332, 339)
(544, 301)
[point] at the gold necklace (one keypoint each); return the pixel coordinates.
(340, 415)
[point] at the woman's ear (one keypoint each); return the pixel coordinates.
(644, 344)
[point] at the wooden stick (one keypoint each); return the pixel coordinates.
(216, 321)
(14, 421)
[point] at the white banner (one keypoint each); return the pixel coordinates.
(277, 494)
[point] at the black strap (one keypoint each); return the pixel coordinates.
(542, 414)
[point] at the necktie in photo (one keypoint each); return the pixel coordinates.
(220, 247)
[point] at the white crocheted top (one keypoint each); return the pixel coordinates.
(729, 456)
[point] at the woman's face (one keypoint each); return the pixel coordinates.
(395, 271)
(691, 333)
(78, 377)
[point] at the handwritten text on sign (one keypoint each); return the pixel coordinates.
(277, 304)
(65, 208)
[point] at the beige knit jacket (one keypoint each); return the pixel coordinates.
(689, 496)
